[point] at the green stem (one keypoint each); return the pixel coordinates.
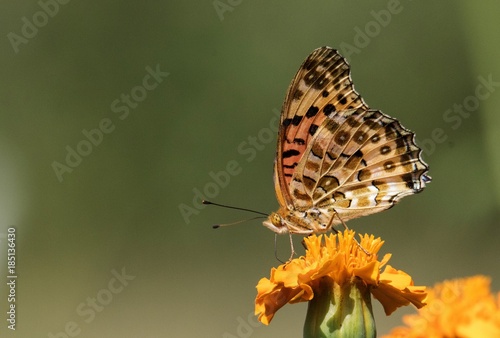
(340, 311)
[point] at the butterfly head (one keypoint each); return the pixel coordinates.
(276, 223)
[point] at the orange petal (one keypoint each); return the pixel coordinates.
(396, 289)
(369, 273)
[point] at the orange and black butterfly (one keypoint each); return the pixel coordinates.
(336, 158)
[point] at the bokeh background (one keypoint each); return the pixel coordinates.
(127, 208)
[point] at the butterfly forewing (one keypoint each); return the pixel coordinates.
(336, 159)
(322, 86)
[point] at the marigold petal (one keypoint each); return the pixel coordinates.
(271, 299)
(396, 289)
(340, 259)
(369, 273)
(306, 293)
(456, 308)
(287, 275)
(397, 278)
(478, 328)
(385, 259)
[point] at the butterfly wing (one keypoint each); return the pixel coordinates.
(322, 86)
(358, 163)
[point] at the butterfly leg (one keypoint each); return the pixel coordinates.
(303, 242)
(345, 226)
(291, 247)
(276, 249)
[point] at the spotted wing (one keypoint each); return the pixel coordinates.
(321, 87)
(358, 163)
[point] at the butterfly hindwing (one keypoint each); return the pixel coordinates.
(358, 163)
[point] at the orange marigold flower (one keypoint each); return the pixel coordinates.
(336, 267)
(456, 308)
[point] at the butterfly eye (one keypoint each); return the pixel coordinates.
(276, 220)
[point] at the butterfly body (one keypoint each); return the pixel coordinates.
(295, 221)
(336, 158)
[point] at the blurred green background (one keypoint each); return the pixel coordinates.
(229, 64)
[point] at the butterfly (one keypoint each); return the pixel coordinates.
(337, 159)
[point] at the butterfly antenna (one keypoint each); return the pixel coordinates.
(231, 207)
(216, 226)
